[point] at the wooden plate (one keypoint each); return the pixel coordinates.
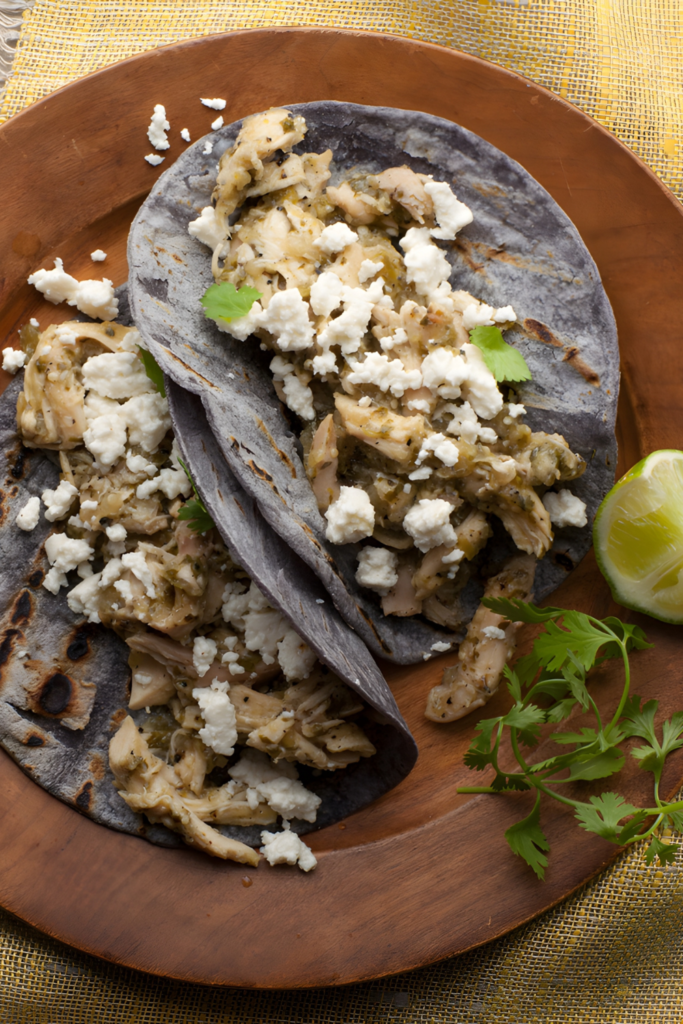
(423, 873)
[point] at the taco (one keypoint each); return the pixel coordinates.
(341, 374)
(250, 699)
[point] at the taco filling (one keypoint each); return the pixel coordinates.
(238, 698)
(412, 438)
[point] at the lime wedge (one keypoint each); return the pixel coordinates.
(638, 537)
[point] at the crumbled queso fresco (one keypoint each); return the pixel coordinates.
(235, 698)
(411, 445)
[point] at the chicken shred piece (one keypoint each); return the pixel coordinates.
(150, 786)
(474, 678)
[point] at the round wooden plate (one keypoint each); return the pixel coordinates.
(423, 873)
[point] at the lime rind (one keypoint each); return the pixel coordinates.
(638, 537)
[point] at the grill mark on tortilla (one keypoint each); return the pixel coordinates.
(191, 370)
(6, 646)
(572, 357)
(22, 608)
(271, 440)
(543, 333)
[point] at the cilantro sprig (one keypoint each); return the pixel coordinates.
(223, 301)
(504, 361)
(194, 511)
(547, 686)
(153, 370)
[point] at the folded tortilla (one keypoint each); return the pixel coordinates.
(521, 249)
(65, 683)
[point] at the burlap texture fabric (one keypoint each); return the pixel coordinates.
(612, 953)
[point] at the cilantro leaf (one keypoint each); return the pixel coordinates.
(223, 301)
(579, 636)
(558, 712)
(153, 370)
(598, 767)
(604, 815)
(528, 841)
(665, 851)
(479, 755)
(641, 722)
(196, 515)
(194, 511)
(527, 720)
(504, 361)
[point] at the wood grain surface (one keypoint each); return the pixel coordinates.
(423, 873)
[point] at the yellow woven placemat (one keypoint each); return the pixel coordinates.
(611, 954)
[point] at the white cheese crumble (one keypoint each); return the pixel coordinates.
(208, 148)
(348, 329)
(423, 473)
(493, 633)
(277, 784)
(480, 387)
(377, 569)
(295, 656)
(326, 293)
(203, 654)
(386, 374)
(13, 359)
(335, 238)
(444, 449)
(185, 135)
(351, 517)
(398, 337)
(117, 532)
(207, 229)
(148, 419)
(64, 554)
(29, 515)
(465, 424)
(137, 563)
(287, 320)
(515, 410)
(478, 314)
(83, 598)
(426, 265)
(565, 509)
(218, 123)
(298, 395)
(368, 269)
(136, 464)
(441, 646)
(34, 323)
(116, 375)
(287, 848)
(154, 159)
(105, 438)
(215, 104)
(58, 502)
(451, 215)
(443, 372)
(94, 298)
(429, 524)
(98, 256)
(220, 729)
(158, 126)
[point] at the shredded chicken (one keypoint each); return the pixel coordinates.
(152, 787)
(473, 680)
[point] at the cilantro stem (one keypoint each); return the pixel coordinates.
(481, 789)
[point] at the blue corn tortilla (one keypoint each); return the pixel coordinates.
(521, 249)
